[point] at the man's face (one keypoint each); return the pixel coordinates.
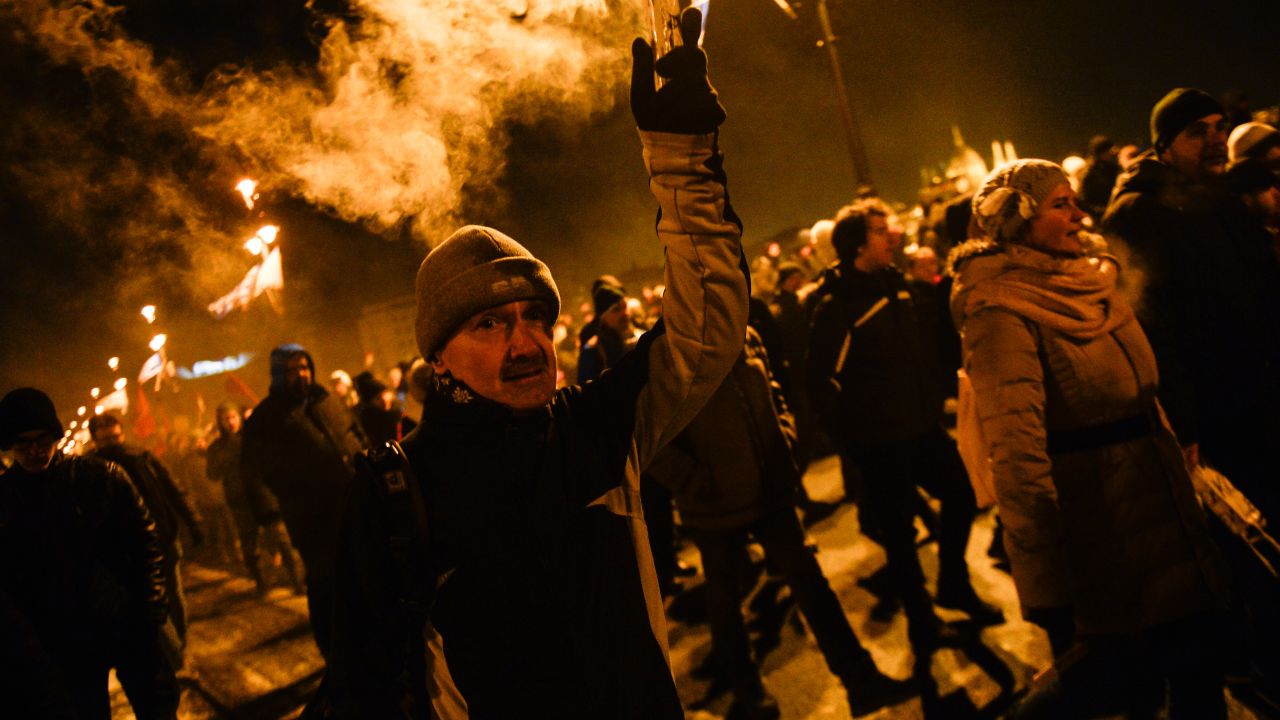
(1265, 204)
(341, 388)
(297, 376)
(505, 354)
(617, 318)
(793, 283)
(34, 449)
(229, 421)
(109, 436)
(877, 252)
(1200, 150)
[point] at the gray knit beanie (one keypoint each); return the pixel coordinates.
(1010, 195)
(474, 269)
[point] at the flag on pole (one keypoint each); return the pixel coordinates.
(144, 423)
(151, 368)
(266, 275)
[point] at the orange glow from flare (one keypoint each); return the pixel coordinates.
(249, 191)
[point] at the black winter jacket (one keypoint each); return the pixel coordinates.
(1210, 295)
(166, 501)
(79, 562)
(873, 370)
(303, 454)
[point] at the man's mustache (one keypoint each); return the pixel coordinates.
(526, 365)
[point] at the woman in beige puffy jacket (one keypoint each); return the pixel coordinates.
(1107, 543)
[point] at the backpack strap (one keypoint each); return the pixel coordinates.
(408, 534)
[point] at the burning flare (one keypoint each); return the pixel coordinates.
(149, 312)
(113, 363)
(157, 342)
(249, 191)
(121, 383)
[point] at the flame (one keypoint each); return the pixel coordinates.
(74, 423)
(98, 409)
(249, 191)
(121, 383)
(268, 233)
(149, 312)
(158, 341)
(113, 362)
(254, 245)
(95, 392)
(81, 410)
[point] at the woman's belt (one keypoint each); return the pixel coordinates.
(1096, 436)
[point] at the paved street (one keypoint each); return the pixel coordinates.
(253, 657)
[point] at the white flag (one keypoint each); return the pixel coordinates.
(151, 368)
(266, 275)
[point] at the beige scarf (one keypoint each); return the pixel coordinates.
(1075, 296)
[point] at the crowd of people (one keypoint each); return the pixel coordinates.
(1109, 337)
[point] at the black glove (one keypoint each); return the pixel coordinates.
(687, 103)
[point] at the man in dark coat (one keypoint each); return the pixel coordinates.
(81, 584)
(1099, 177)
(531, 557)
(874, 378)
(1210, 301)
(734, 477)
(253, 509)
(165, 500)
(299, 443)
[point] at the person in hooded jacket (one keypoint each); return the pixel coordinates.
(530, 555)
(1107, 543)
(81, 578)
(300, 443)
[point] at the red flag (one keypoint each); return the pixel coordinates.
(236, 386)
(144, 423)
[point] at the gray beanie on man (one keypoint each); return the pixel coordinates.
(476, 268)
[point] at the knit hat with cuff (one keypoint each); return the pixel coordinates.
(474, 269)
(1177, 110)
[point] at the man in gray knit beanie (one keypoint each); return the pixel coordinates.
(480, 269)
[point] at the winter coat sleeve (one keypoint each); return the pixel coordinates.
(132, 529)
(705, 306)
(1156, 238)
(174, 495)
(1003, 363)
(377, 662)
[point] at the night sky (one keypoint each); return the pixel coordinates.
(108, 204)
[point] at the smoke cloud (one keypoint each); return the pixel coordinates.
(405, 113)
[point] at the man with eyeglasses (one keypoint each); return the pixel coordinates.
(81, 588)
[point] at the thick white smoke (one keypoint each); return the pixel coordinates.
(406, 110)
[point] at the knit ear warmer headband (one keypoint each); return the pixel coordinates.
(1010, 195)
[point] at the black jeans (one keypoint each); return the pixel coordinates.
(890, 475)
(783, 539)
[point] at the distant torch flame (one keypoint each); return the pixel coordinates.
(121, 383)
(268, 233)
(149, 312)
(113, 363)
(95, 393)
(249, 191)
(157, 342)
(98, 409)
(81, 410)
(253, 245)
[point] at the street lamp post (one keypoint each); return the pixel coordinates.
(857, 151)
